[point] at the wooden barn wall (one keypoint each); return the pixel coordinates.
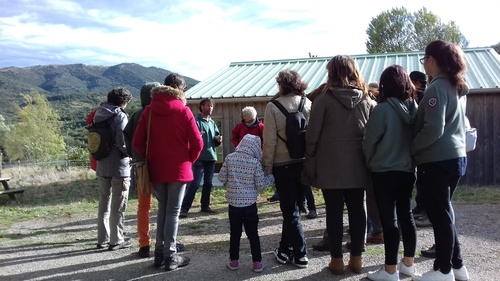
(483, 111)
(483, 163)
(230, 115)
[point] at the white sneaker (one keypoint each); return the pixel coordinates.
(382, 275)
(433, 275)
(406, 270)
(461, 274)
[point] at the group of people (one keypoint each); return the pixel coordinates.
(178, 147)
(352, 143)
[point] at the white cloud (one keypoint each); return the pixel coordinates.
(198, 38)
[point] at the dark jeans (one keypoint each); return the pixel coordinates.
(438, 181)
(289, 187)
(393, 193)
(247, 217)
(205, 169)
(309, 197)
(334, 201)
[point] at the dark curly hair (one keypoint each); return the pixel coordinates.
(291, 82)
(395, 82)
(175, 80)
(119, 96)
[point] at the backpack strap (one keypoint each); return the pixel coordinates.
(301, 104)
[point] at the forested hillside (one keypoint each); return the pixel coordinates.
(74, 90)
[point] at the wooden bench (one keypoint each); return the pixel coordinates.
(8, 191)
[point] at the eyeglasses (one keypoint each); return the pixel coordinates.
(422, 60)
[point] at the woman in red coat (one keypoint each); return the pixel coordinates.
(174, 144)
(250, 124)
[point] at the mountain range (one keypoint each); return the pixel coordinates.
(75, 79)
(74, 89)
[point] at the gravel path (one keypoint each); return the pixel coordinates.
(63, 248)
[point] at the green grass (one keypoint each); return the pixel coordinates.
(79, 197)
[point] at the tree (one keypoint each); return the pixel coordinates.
(37, 135)
(4, 130)
(397, 30)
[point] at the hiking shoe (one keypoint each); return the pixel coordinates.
(348, 246)
(144, 252)
(175, 262)
(280, 256)
(312, 214)
(406, 270)
(102, 245)
(303, 262)
(417, 213)
(159, 259)
(382, 275)
(183, 215)
(429, 253)
(377, 239)
(273, 199)
(321, 246)
(434, 275)
(461, 274)
(179, 247)
(423, 221)
(208, 210)
(122, 245)
(258, 266)
(233, 265)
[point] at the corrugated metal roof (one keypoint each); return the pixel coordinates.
(257, 78)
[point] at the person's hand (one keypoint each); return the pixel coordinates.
(218, 138)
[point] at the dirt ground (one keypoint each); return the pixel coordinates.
(63, 248)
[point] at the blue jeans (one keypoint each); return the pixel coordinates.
(309, 197)
(289, 187)
(247, 217)
(438, 181)
(169, 196)
(393, 193)
(205, 169)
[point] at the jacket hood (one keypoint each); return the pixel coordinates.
(441, 75)
(255, 123)
(250, 145)
(106, 111)
(407, 110)
(350, 98)
(166, 100)
(146, 92)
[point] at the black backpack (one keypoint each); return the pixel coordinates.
(100, 139)
(296, 124)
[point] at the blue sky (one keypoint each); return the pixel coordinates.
(197, 38)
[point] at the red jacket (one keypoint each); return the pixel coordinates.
(242, 129)
(174, 142)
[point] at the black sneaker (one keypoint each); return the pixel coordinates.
(303, 262)
(429, 253)
(183, 214)
(122, 245)
(175, 262)
(208, 210)
(280, 256)
(179, 247)
(144, 252)
(102, 245)
(159, 259)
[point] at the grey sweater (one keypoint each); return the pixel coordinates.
(440, 124)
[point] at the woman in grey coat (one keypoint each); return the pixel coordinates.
(334, 155)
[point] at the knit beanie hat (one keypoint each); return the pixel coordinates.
(146, 92)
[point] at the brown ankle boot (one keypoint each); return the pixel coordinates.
(355, 264)
(337, 266)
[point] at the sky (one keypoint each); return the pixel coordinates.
(198, 38)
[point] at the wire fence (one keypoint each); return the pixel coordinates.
(30, 173)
